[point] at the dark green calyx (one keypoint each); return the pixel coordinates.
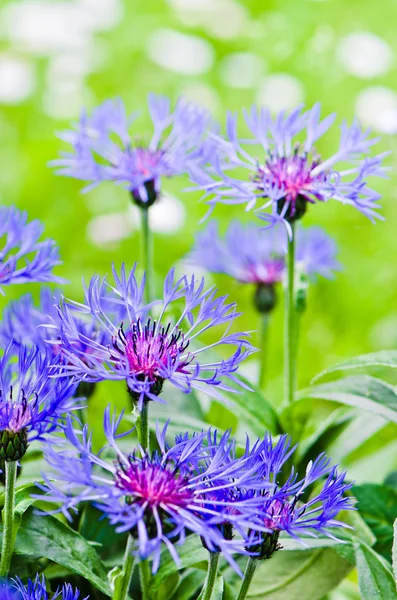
(227, 533)
(13, 445)
(267, 547)
(265, 297)
(85, 389)
(151, 192)
(295, 210)
(156, 388)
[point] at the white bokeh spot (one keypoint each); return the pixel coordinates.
(167, 215)
(181, 53)
(365, 55)
(376, 107)
(17, 79)
(280, 91)
(241, 69)
(104, 230)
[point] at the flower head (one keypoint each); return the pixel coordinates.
(37, 590)
(31, 399)
(252, 255)
(23, 258)
(176, 143)
(247, 253)
(285, 176)
(289, 507)
(159, 497)
(147, 351)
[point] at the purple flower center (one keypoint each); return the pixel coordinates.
(293, 175)
(276, 513)
(15, 416)
(150, 348)
(147, 160)
(268, 272)
(152, 485)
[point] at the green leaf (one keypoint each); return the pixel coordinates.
(191, 553)
(288, 574)
(217, 590)
(190, 582)
(377, 504)
(168, 587)
(252, 409)
(361, 391)
(47, 537)
(384, 358)
(374, 576)
(394, 550)
(92, 527)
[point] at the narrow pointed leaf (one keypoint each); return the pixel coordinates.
(375, 578)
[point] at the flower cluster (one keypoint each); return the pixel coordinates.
(158, 497)
(196, 486)
(241, 502)
(177, 143)
(146, 351)
(23, 258)
(288, 174)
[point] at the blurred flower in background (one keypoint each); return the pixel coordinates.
(137, 165)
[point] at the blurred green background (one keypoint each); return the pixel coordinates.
(57, 57)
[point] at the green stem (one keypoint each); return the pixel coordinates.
(248, 575)
(147, 254)
(289, 324)
(144, 578)
(263, 336)
(208, 587)
(143, 426)
(8, 518)
(123, 582)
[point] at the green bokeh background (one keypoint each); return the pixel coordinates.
(354, 314)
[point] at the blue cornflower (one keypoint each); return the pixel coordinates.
(287, 507)
(23, 258)
(159, 497)
(247, 253)
(31, 399)
(255, 256)
(284, 175)
(102, 148)
(36, 590)
(148, 350)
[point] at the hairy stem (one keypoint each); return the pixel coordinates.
(248, 575)
(206, 592)
(144, 578)
(289, 325)
(8, 518)
(263, 337)
(147, 254)
(143, 426)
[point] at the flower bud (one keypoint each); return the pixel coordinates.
(13, 445)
